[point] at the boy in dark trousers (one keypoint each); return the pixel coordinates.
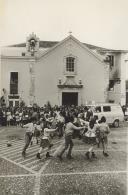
(69, 129)
(104, 131)
(30, 127)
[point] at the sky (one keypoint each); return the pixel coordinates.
(98, 22)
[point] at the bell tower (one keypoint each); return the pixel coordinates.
(32, 44)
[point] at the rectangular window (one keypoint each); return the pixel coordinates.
(111, 85)
(23, 53)
(106, 108)
(111, 60)
(98, 109)
(111, 101)
(70, 64)
(14, 83)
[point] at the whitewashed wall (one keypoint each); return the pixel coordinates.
(50, 68)
(22, 67)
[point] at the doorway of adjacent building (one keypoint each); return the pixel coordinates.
(70, 98)
(14, 103)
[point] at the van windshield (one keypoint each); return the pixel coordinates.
(95, 109)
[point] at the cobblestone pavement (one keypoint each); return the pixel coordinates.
(30, 176)
(30, 163)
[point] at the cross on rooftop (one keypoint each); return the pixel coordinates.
(70, 32)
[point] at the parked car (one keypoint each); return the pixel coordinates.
(113, 113)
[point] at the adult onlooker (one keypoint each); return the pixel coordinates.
(9, 116)
(124, 109)
(1, 117)
(89, 114)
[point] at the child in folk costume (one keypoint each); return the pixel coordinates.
(30, 127)
(103, 135)
(60, 124)
(69, 129)
(54, 125)
(46, 141)
(37, 131)
(91, 135)
(78, 122)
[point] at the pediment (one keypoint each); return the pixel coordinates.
(69, 38)
(70, 83)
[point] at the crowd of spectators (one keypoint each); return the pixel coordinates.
(55, 118)
(19, 116)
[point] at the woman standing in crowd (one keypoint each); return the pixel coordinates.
(17, 118)
(9, 116)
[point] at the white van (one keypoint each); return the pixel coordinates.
(112, 112)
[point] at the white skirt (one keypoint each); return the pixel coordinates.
(90, 134)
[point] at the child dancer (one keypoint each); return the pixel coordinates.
(69, 129)
(46, 141)
(30, 127)
(104, 131)
(91, 135)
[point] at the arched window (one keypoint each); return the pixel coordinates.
(70, 64)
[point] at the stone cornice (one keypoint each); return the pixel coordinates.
(17, 57)
(70, 86)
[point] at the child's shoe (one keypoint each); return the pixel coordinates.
(37, 141)
(38, 156)
(23, 154)
(48, 155)
(105, 154)
(87, 155)
(51, 145)
(93, 155)
(60, 157)
(69, 157)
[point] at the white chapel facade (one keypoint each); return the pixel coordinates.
(64, 73)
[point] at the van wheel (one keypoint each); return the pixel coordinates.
(116, 123)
